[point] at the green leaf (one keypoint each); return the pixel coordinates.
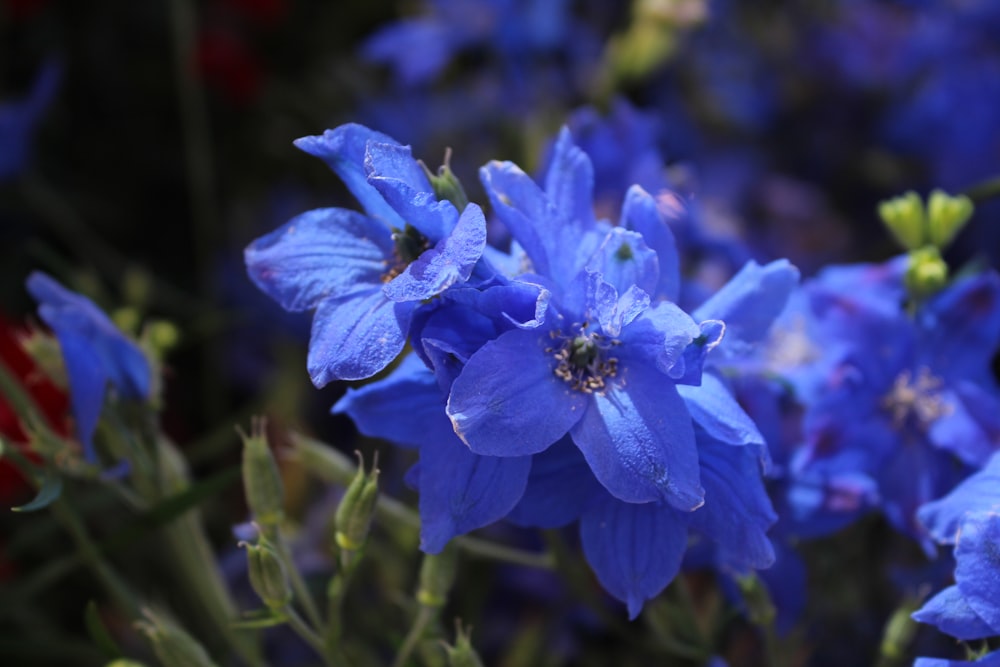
(99, 633)
(50, 490)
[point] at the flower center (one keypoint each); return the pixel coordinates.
(409, 244)
(582, 360)
(917, 398)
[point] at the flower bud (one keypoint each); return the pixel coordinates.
(927, 272)
(760, 609)
(946, 216)
(905, 218)
(354, 514)
(462, 654)
(125, 662)
(173, 646)
(446, 185)
(437, 574)
(265, 494)
(268, 576)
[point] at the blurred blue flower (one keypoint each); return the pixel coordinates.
(95, 352)
(18, 120)
(365, 274)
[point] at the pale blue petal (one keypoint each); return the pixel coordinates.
(634, 549)
(659, 336)
(950, 613)
(641, 214)
(343, 149)
(977, 573)
(356, 337)
(88, 382)
(714, 408)
(522, 207)
(980, 491)
(638, 439)
(569, 182)
(508, 401)
(403, 184)
(450, 262)
(322, 254)
(624, 260)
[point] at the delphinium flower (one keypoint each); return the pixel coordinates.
(364, 274)
(563, 385)
(19, 118)
(909, 397)
(96, 354)
(968, 518)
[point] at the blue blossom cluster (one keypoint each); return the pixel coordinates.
(549, 382)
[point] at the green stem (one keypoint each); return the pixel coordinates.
(303, 630)
(424, 617)
(298, 583)
(984, 190)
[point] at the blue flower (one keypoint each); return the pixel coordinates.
(94, 352)
(18, 119)
(365, 274)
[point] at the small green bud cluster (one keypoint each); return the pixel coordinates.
(446, 185)
(462, 654)
(924, 231)
(354, 514)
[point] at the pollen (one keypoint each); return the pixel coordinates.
(916, 397)
(582, 360)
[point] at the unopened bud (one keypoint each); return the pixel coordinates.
(462, 654)
(926, 273)
(946, 215)
(757, 599)
(905, 218)
(446, 185)
(354, 514)
(172, 645)
(265, 494)
(899, 631)
(437, 574)
(268, 576)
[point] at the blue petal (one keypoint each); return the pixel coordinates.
(713, 407)
(461, 491)
(560, 487)
(88, 382)
(356, 337)
(343, 149)
(963, 325)
(322, 254)
(659, 336)
(751, 300)
(417, 49)
(451, 261)
(569, 182)
(634, 549)
(638, 439)
(400, 407)
(977, 573)
(624, 260)
(737, 512)
(508, 401)
(641, 214)
(400, 180)
(688, 370)
(950, 613)
(980, 491)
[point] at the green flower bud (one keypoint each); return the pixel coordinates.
(262, 485)
(899, 631)
(354, 514)
(946, 216)
(446, 184)
(462, 654)
(173, 646)
(904, 216)
(757, 599)
(437, 574)
(927, 272)
(124, 662)
(267, 574)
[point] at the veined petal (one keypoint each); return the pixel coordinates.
(638, 439)
(659, 335)
(450, 262)
(507, 400)
(714, 408)
(634, 549)
(522, 207)
(403, 408)
(356, 337)
(560, 488)
(461, 491)
(751, 300)
(88, 383)
(943, 517)
(641, 214)
(327, 253)
(402, 183)
(343, 149)
(977, 573)
(569, 182)
(949, 612)
(624, 260)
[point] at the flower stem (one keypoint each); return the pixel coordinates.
(424, 617)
